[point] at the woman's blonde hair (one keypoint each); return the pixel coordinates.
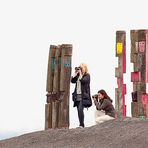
(84, 66)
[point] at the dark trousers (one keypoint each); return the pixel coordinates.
(80, 109)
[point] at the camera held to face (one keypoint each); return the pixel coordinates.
(95, 97)
(77, 68)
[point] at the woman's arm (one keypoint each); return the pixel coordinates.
(101, 106)
(74, 79)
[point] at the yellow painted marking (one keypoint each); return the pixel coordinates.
(119, 48)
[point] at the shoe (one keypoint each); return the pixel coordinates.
(80, 127)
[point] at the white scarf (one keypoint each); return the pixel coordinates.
(79, 85)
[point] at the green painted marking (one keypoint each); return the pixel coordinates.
(67, 63)
(53, 64)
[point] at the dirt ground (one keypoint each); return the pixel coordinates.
(118, 133)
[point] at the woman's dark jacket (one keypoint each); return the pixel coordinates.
(106, 105)
(85, 86)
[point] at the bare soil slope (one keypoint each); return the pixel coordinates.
(118, 133)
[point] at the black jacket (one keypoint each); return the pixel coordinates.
(85, 86)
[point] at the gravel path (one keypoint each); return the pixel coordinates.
(118, 133)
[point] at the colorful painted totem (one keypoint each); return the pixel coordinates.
(139, 58)
(119, 71)
(58, 86)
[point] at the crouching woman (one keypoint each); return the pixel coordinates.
(104, 103)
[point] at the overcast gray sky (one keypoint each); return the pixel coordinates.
(29, 27)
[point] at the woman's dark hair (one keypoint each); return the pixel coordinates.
(103, 92)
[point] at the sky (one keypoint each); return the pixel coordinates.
(29, 27)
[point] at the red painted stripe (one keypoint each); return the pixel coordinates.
(124, 89)
(146, 75)
(145, 99)
(145, 102)
(123, 99)
(136, 76)
(124, 59)
(124, 111)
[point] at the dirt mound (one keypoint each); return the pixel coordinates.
(118, 133)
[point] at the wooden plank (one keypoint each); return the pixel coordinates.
(142, 53)
(119, 82)
(134, 41)
(139, 86)
(55, 109)
(134, 109)
(60, 122)
(138, 49)
(54, 112)
(57, 103)
(141, 63)
(56, 88)
(140, 105)
(48, 116)
(118, 72)
(121, 54)
(120, 102)
(116, 100)
(57, 68)
(141, 109)
(65, 77)
(133, 57)
(141, 35)
(120, 65)
(137, 66)
(49, 87)
(65, 74)
(146, 70)
(120, 43)
(50, 70)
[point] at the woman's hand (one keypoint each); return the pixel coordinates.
(93, 98)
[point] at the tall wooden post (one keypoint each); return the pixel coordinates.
(58, 86)
(139, 52)
(56, 90)
(121, 90)
(65, 76)
(49, 86)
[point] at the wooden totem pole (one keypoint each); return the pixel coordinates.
(121, 90)
(58, 86)
(139, 58)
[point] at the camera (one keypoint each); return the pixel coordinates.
(77, 68)
(95, 96)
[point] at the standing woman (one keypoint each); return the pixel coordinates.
(105, 104)
(81, 92)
